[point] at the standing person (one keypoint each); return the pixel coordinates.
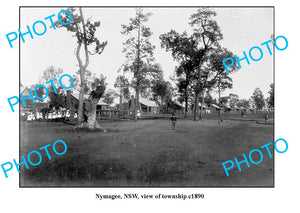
(173, 119)
(266, 117)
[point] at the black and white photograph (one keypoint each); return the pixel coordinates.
(143, 96)
(149, 106)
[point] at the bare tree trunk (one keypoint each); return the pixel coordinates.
(186, 104)
(90, 108)
(81, 97)
(92, 115)
(137, 74)
(70, 106)
(121, 103)
(82, 68)
(161, 106)
(197, 94)
(196, 105)
(220, 117)
(136, 105)
(202, 102)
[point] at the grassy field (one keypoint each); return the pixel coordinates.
(148, 153)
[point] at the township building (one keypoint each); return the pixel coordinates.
(73, 99)
(30, 106)
(145, 105)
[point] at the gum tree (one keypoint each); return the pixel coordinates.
(57, 98)
(217, 77)
(138, 52)
(184, 50)
(122, 83)
(258, 99)
(84, 31)
(207, 33)
(233, 99)
(190, 51)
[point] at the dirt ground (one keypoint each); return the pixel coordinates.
(148, 153)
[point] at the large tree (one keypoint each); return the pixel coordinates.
(51, 72)
(138, 52)
(123, 84)
(208, 34)
(84, 30)
(152, 73)
(243, 103)
(162, 92)
(191, 52)
(219, 79)
(109, 96)
(258, 99)
(208, 99)
(184, 51)
(57, 97)
(233, 99)
(271, 96)
(40, 91)
(214, 75)
(94, 89)
(224, 101)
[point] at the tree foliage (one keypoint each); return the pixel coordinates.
(58, 98)
(205, 27)
(51, 73)
(84, 30)
(199, 55)
(271, 96)
(122, 83)
(137, 48)
(40, 91)
(184, 50)
(109, 96)
(215, 76)
(138, 53)
(162, 91)
(224, 101)
(233, 99)
(258, 99)
(243, 103)
(92, 80)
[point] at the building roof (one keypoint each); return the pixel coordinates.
(101, 102)
(113, 104)
(75, 94)
(179, 105)
(215, 106)
(148, 102)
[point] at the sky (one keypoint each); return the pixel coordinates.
(242, 29)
